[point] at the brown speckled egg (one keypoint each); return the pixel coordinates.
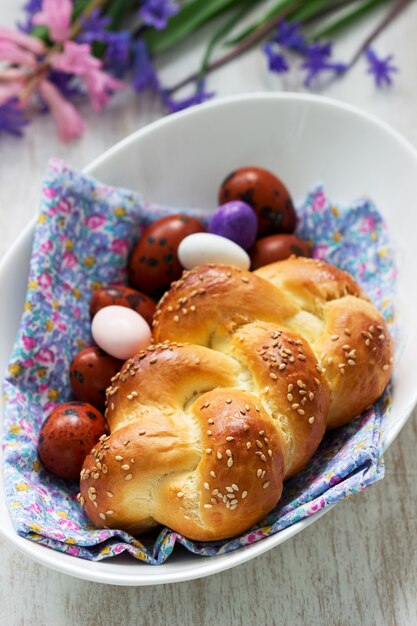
(277, 248)
(154, 263)
(123, 296)
(90, 374)
(67, 436)
(266, 194)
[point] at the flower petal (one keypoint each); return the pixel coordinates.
(66, 117)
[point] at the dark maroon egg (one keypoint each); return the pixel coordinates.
(90, 374)
(123, 296)
(277, 248)
(67, 436)
(154, 263)
(266, 194)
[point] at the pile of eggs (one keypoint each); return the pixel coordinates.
(252, 226)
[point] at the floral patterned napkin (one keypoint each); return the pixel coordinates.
(83, 237)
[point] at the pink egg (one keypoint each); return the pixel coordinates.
(121, 332)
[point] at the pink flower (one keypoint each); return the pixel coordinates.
(11, 52)
(33, 44)
(28, 363)
(66, 116)
(45, 356)
(69, 524)
(10, 90)
(95, 221)
(70, 260)
(75, 59)
(56, 15)
(319, 201)
(45, 280)
(49, 192)
(64, 206)
(119, 246)
(320, 252)
(47, 246)
(100, 86)
(28, 342)
(73, 550)
(367, 224)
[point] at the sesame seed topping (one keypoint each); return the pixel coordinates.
(351, 362)
(290, 397)
(125, 466)
(229, 489)
(265, 485)
(246, 427)
(270, 453)
(229, 462)
(110, 494)
(210, 421)
(213, 500)
(229, 401)
(334, 337)
(259, 473)
(151, 361)
(248, 445)
(187, 517)
(208, 450)
(273, 376)
(282, 366)
(209, 433)
(347, 332)
(229, 438)
(244, 279)
(259, 444)
(261, 432)
(295, 405)
(102, 516)
(128, 477)
(311, 419)
(219, 455)
(233, 502)
(206, 486)
(263, 458)
(301, 357)
(180, 494)
(385, 367)
(311, 395)
(142, 432)
(247, 407)
(118, 458)
(266, 389)
(215, 492)
(244, 494)
(176, 318)
(208, 506)
(213, 474)
(229, 452)
(367, 342)
(301, 412)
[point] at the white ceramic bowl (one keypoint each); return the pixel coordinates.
(180, 160)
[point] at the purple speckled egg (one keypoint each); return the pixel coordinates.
(237, 221)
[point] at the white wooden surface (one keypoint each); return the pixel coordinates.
(358, 564)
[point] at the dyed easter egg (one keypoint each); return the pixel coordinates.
(67, 436)
(202, 248)
(123, 296)
(90, 374)
(277, 248)
(120, 332)
(266, 194)
(154, 262)
(237, 221)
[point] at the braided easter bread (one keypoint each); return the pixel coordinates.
(246, 373)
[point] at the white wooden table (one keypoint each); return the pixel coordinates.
(358, 564)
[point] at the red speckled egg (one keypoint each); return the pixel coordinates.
(90, 374)
(67, 436)
(277, 248)
(266, 194)
(154, 263)
(123, 296)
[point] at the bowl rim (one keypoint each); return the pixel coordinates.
(92, 571)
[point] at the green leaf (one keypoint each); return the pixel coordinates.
(309, 9)
(186, 21)
(274, 10)
(348, 19)
(246, 6)
(117, 10)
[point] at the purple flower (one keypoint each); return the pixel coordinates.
(144, 73)
(156, 13)
(94, 28)
(30, 8)
(380, 68)
(317, 61)
(198, 97)
(117, 57)
(276, 61)
(66, 83)
(288, 35)
(12, 118)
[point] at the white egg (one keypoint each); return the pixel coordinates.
(201, 248)
(120, 331)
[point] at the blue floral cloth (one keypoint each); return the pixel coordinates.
(83, 237)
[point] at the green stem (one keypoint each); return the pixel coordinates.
(272, 13)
